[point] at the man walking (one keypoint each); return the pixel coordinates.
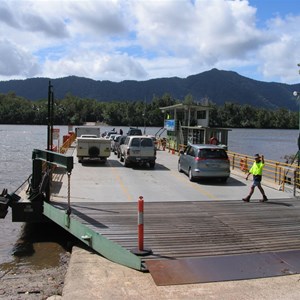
(256, 171)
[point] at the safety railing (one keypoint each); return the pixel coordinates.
(70, 138)
(55, 174)
(284, 175)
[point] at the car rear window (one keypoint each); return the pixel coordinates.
(134, 132)
(146, 142)
(212, 153)
(135, 142)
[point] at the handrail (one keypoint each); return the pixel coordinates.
(67, 144)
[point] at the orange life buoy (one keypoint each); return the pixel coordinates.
(243, 165)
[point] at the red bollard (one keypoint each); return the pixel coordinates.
(141, 250)
(141, 223)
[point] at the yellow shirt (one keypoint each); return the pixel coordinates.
(257, 168)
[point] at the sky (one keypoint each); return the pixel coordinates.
(120, 40)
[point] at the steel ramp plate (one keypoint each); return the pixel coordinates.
(223, 268)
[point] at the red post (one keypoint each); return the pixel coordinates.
(140, 250)
(141, 223)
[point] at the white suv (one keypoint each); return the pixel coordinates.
(138, 149)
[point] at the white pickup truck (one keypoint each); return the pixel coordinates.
(89, 146)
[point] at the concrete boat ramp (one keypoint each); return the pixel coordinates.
(201, 235)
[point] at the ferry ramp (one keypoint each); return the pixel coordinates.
(197, 232)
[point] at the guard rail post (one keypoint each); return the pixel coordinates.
(283, 181)
(276, 172)
(141, 250)
(295, 184)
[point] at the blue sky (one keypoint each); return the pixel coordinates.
(139, 40)
(267, 9)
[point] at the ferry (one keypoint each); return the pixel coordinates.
(154, 219)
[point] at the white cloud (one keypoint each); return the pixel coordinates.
(132, 39)
(280, 57)
(15, 61)
(97, 18)
(25, 18)
(119, 67)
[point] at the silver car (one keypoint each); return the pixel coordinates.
(138, 149)
(204, 161)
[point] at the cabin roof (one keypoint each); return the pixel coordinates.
(182, 106)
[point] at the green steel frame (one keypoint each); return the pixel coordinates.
(64, 218)
(54, 158)
(94, 240)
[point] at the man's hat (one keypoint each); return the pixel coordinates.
(257, 156)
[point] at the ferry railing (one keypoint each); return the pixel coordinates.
(283, 175)
(67, 143)
(62, 150)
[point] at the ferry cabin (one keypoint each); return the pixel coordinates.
(189, 124)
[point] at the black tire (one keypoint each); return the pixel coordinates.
(191, 177)
(152, 164)
(223, 179)
(126, 163)
(179, 167)
(94, 151)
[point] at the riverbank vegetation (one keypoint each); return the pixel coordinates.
(74, 110)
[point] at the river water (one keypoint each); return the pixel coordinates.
(17, 143)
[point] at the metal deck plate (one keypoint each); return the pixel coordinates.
(223, 268)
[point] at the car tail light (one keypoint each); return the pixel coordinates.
(199, 158)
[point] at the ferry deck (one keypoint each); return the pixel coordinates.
(192, 231)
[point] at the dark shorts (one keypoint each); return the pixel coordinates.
(256, 180)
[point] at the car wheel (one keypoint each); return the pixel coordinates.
(152, 164)
(126, 163)
(191, 177)
(179, 167)
(223, 179)
(94, 151)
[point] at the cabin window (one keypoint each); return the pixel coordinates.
(201, 114)
(180, 116)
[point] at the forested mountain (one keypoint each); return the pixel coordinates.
(218, 86)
